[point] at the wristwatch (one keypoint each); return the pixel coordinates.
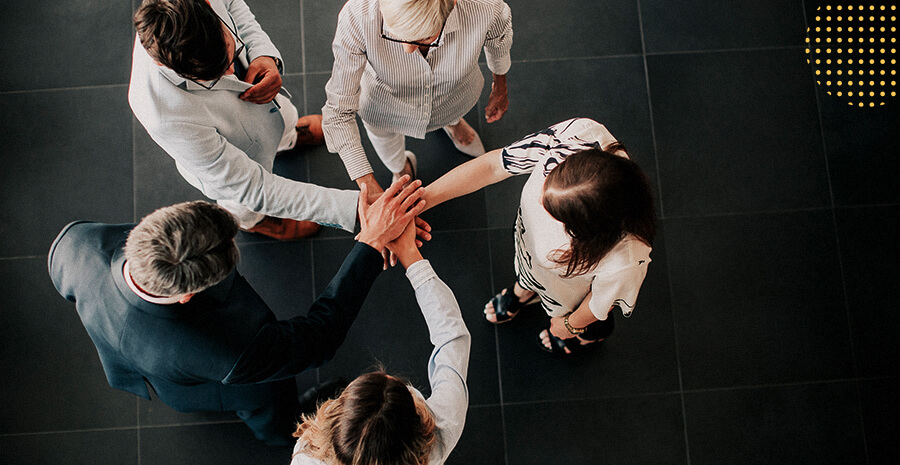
(572, 330)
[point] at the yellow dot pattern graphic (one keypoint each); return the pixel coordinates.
(853, 52)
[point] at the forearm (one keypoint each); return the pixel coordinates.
(285, 348)
(467, 178)
(582, 316)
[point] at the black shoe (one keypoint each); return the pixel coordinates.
(314, 396)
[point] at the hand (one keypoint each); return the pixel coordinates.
(558, 328)
(386, 218)
(266, 80)
(498, 102)
(404, 246)
(423, 230)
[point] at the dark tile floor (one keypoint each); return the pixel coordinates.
(767, 330)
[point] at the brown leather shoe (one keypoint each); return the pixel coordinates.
(309, 130)
(285, 229)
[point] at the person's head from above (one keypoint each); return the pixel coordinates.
(182, 249)
(375, 420)
(414, 23)
(598, 197)
(187, 37)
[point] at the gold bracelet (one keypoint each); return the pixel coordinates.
(572, 330)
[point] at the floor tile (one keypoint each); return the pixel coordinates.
(880, 400)
(319, 25)
(711, 25)
(861, 144)
(736, 132)
(157, 182)
(53, 377)
(868, 241)
(116, 447)
(49, 44)
(809, 423)
(58, 176)
(638, 358)
(390, 328)
(482, 438)
(626, 430)
(221, 443)
(573, 29)
(757, 299)
(280, 19)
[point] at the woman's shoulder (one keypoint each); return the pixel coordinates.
(300, 458)
(630, 253)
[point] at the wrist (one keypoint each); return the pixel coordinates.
(572, 329)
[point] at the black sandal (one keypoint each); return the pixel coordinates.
(558, 346)
(507, 306)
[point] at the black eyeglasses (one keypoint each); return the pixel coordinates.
(385, 36)
(237, 53)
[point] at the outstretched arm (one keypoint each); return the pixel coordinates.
(467, 178)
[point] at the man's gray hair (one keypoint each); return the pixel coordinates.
(415, 19)
(181, 249)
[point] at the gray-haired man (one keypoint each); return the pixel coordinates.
(164, 306)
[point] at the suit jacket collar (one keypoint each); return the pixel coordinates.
(201, 302)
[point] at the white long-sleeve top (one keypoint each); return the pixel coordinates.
(408, 93)
(447, 368)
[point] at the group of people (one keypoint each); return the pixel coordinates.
(167, 310)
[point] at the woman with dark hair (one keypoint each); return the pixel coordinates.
(379, 419)
(583, 232)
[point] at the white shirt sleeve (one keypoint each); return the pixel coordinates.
(449, 362)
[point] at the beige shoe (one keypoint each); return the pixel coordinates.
(413, 163)
(474, 149)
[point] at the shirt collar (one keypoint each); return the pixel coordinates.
(149, 298)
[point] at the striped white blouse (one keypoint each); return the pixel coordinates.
(408, 93)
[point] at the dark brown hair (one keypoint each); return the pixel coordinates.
(185, 36)
(375, 421)
(599, 197)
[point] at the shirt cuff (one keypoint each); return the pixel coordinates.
(419, 273)
(356, 163)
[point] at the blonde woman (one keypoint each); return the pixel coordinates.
(408, 67)
(379, 419)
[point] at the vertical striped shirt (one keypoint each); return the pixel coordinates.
(408, 93)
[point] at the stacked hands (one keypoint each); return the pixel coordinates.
(389, 221)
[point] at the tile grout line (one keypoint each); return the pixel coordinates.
(303, 70)
(687, 443)
(24, 257)
(837, 245)
(497, 352)
(650, 109)
(62, 89)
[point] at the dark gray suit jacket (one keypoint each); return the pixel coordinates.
(224, 337)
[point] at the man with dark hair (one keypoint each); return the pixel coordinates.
(206, 85)
(164, 306)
